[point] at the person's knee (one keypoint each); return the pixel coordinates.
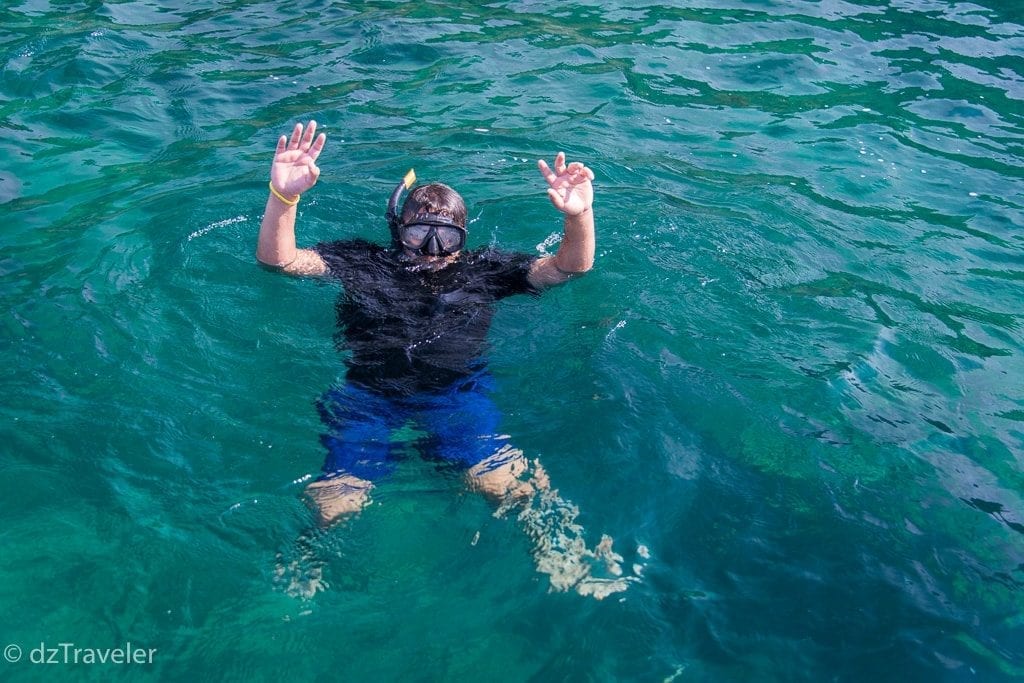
(500, 476)
(337, 496)
(494, 484)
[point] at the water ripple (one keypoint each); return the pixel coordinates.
(794, 373)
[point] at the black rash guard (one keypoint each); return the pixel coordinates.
(409, 329)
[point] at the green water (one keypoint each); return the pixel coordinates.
(796, 373)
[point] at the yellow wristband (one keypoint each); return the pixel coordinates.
(284, 200)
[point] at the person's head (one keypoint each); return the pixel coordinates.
(435, 199)
(432, 221)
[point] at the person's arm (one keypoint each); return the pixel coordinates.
(571, 192)
(293, 172)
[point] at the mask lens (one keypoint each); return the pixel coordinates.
(446, 238)
(449, 237)
(414, 235)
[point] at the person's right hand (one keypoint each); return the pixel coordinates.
(569, 187)
(294, 170)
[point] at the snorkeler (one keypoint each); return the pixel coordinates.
(413, 319)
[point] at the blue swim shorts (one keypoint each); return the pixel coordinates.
(461, 424)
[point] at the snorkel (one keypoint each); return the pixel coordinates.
(428, 234)
(394, 222)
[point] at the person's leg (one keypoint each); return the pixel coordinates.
(357, 430)
(357, 436)
(464, 426)
(338, 495)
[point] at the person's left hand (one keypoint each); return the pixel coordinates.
(569, 187)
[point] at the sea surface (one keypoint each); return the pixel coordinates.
(791, 390)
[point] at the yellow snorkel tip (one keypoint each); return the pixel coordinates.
(410, 179)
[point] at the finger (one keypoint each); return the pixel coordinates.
(560, 163)
(316, 172)
(282, 142)
(556, 199)
(580, 173)
(307, 139)
(296, 135)
(545, 171)
(318, 146)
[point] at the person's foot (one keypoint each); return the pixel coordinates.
(299, 578)
(338, 496)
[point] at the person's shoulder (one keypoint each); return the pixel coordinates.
(344, 255)
(493, 256)
(508, 272)
(347, 247)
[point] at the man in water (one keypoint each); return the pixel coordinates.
(414, 318)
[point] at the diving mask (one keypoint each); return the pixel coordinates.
(427, 234)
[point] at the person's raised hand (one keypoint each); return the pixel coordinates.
(569, 187)
(294, 169)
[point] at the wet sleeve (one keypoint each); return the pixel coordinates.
(338, 256)
(509, 273)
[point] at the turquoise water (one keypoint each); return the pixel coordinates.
(795, 374)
